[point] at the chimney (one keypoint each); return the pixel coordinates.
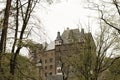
(67, 28)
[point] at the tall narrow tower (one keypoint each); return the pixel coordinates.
(58, 40)
(58, 46)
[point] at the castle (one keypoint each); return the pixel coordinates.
(70, 42)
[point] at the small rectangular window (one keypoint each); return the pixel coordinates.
(45, 67)
(45, 74)
(50, 73)
(51, 66)
(45, 60)
(51, 59)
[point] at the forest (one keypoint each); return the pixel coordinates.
(17, 22)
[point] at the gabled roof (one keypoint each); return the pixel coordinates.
(73, 34)
(68, 36)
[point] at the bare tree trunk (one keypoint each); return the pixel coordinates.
(5, 27)
(26, 16)
(4, 31)
(17, 24)
(15, 38)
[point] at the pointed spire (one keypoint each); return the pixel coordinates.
(58, 36)
(58, 40)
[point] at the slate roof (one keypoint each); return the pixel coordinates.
(67, 36)
(73, 34)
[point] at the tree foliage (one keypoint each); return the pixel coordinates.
(24, 69)
(88, 61)
(17, 17)
(115, 70)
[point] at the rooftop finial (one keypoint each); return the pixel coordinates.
(67, 28)
(58, 36)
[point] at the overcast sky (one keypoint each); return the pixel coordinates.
(69, 13)
(62, 15)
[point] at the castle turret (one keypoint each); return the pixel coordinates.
(58, 43)
(58, 40)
